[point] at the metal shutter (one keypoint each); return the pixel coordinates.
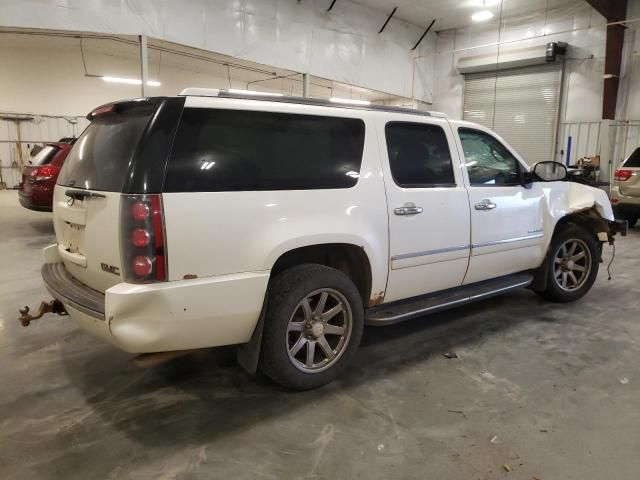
(520, 104)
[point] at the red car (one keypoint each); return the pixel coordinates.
(40, 174)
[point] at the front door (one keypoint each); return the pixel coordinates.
(429, 225)
(506, 217)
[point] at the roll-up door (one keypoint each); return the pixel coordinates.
(520, 104)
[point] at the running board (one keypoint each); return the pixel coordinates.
(454, 297)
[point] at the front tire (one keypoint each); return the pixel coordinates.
(313, 326)
(572, 265)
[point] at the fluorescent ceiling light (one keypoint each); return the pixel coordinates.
(481, 16)
(253, 92)
(349, 101)
(130, 81)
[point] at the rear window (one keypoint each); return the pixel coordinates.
(634, 159)
(236, 150)
(101, 157)
(44, 156)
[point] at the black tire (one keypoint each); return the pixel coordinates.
(287, 291)
(632, 221)
(554, 290)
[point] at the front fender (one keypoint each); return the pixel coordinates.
(566, 198)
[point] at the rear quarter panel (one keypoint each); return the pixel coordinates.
(216, 233)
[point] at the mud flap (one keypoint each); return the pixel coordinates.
(248, 354)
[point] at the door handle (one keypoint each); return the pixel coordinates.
(485, 204)
(408, 210)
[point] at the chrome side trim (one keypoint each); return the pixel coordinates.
(508, 240)
(429, 252)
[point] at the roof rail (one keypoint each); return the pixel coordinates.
(322, 102)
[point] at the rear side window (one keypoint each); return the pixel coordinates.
(102, 156)
(44, 156)
(419, 155)
(634, 159)
(236, 150)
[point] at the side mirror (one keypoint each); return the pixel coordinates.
(550, 171)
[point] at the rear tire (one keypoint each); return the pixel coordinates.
(312, 328)
(572, 265)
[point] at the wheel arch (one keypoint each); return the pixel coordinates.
(350, 259)
(589, 219)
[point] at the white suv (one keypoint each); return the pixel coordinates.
(283, 225)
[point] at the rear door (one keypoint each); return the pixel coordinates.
(428, 207)
(631, 186)
(87, 197)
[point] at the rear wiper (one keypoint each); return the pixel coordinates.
(78, 194)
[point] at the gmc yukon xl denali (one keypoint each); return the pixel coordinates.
(284, 225)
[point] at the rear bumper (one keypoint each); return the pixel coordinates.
(180, 315)
(27, 201)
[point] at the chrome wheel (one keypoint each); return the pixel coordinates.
(572, 264)
(319, 330)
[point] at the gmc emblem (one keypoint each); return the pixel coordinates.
(110, 269)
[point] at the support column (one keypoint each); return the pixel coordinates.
(144, 64)
(306, 85)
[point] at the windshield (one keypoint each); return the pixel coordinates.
(102, 156)
(44, 156)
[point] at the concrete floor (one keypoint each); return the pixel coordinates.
(552, 391)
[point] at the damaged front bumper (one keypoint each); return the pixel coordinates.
(618, 227)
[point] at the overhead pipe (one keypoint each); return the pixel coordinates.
(423, 35)
(393, 12)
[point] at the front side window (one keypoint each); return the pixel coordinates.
(487, 160)
(419, 155)
(219, 150)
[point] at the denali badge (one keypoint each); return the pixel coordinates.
(110, 269)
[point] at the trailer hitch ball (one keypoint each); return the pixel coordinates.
(54, 306)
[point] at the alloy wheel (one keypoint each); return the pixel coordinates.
(572, 264)
(319, 330)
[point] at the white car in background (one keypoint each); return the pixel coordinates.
(283, 225)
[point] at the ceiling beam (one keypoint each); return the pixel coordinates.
(613, 11)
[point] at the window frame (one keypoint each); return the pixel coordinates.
(422, 185)
(521, 169)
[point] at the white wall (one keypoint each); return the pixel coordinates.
(45, 74)
(342, 45)
(577, 24)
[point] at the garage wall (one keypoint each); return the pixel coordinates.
(341, 45)
(576, 23)
(34, 130)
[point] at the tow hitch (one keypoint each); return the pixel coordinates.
(54, 306)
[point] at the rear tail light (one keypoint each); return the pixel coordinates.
(622, 174)
(142, 243)
(43, 174)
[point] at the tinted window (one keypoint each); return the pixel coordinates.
(236, 150)
(419, 155)
(488, 162)
(101, 157)
(634, 159)
(44, 156)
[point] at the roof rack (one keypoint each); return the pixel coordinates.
(321, 102)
